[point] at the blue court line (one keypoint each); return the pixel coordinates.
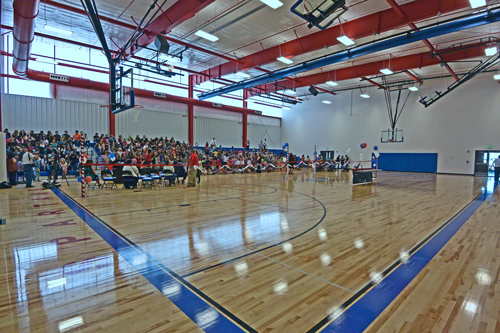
(195, 304)
(367, 308)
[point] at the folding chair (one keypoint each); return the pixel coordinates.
(106, 178)
(147, 179)
(129, 181)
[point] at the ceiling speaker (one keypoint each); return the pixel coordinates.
(313, 91)
(162, 44)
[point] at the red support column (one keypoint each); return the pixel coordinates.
(245, 118)
(191, 111)
(111, 122)
(245, 129)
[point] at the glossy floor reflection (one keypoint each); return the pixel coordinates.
(279, 255)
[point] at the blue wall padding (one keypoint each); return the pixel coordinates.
(410, 162)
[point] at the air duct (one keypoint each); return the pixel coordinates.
(25, 13)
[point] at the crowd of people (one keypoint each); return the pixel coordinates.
(30, 153)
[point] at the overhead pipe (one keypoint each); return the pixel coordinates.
(25, 13)
(362, 50)
(404, 63)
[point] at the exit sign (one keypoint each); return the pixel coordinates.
(490, 147)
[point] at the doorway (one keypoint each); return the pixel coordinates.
(484, 162)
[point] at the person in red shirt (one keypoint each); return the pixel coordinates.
(148, 158)
(192, 171)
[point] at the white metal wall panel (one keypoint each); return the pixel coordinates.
(152, 124)
(46, 114)
(272, 134)
(227, 133)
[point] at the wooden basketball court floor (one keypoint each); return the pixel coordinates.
(254, 253)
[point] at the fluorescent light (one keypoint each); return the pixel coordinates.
(206, 35)
(273, 3)
(285, 60)
(413, 88)
(497, 77)
(386, 71)
(327, 102)
(58, 30)
(345, 40)
(477, 3)
(491, 51)
(242, 74)
(365, 95)
(70, 324)
(331, 83)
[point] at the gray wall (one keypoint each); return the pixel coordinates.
(35, 113)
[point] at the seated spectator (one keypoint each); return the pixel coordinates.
(77, 139)
(90, 171)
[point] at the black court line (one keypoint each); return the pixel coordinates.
(160, 264)
(268, 247)
(389, 269)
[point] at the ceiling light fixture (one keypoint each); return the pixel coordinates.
(477, 3)
(345, 40)
(273, 3)
(206, 35)
(331, 83)
(365, 95)
(491, 51)
(413, 88)
(386, 71)
(285, 60)
(497, 77)
(327, 102)
(58, 30)
(242, 74)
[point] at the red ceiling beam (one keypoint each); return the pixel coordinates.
(400, 11)
(382, 21)
(181, 11)
(373, 82)
(396, 8)
(404, 63)
(431, 47)
(413, 76)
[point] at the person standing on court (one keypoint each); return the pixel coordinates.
(192, 172)
(28, 160)
(496, 163)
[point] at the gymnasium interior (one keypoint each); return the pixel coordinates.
(249, 166)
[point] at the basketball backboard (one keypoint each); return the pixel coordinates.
(319, 13)
(392, 136)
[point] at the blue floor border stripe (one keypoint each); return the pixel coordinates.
(367, 308)
(196, 305)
